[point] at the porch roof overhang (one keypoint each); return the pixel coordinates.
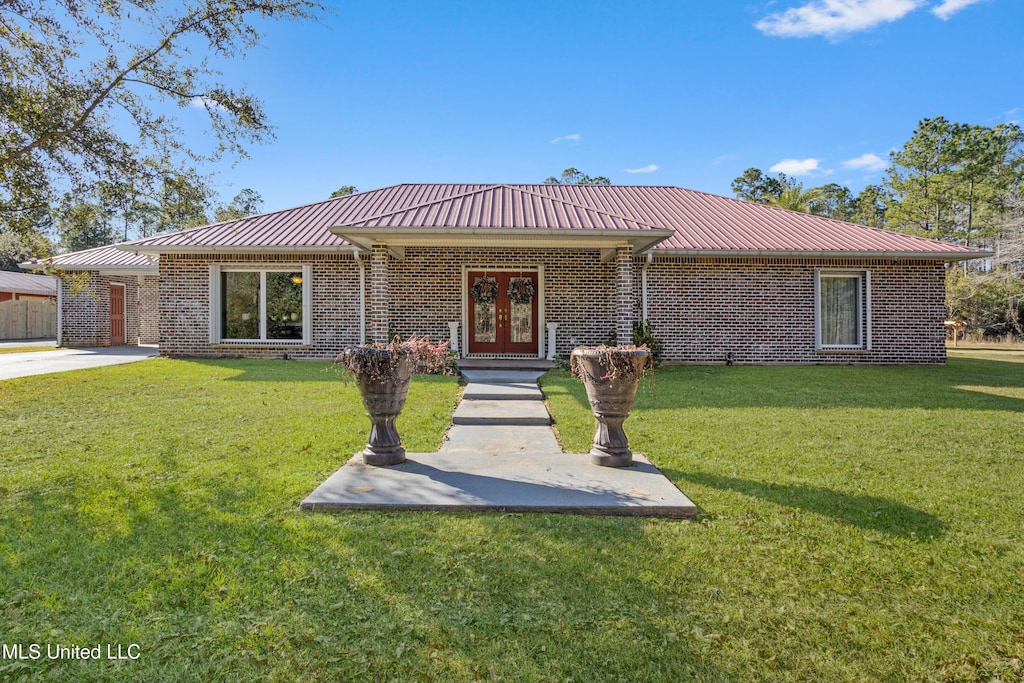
(590, 238)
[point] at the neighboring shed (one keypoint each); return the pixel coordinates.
(107, 297)
(28, 307)
(21, 286)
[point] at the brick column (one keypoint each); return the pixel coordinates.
(378, 331)
(624, 298)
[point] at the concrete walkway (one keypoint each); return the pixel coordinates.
(14, 365)
(501, 455)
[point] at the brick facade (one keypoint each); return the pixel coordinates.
(85, 309)
(149, 309)
(379, 288)
(761, 310)
(578, 290)
(185, 306)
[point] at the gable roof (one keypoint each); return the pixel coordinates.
(669, 220)
(24, 283)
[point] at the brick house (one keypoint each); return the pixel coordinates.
(529, 271)
(106, 297)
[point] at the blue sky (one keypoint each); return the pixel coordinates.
(660, 93)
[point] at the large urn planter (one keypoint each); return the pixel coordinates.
(383, 376)
(383, 373)
(611, 375)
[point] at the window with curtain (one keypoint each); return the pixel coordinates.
(840, 311)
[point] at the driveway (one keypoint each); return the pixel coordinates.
(43, 362)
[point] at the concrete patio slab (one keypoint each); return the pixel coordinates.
(528, 482)
(520, 413)
(493, 391)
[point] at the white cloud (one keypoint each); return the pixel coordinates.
(201, 102)
(795, 167)
(866, 162)
(573, 137)
(834, 18)
(649, 168)
(723, 158)
(950, 7)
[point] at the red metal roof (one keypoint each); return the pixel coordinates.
(111, 257)
(25, 283)
(701, 223)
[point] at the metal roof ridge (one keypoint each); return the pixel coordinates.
(240, 222)
(589, 209)
(413, 207)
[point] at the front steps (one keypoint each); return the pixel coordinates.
(488, 402)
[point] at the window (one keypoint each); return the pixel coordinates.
(265, 305)
(841, 313)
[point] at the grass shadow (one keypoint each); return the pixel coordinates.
(871, 513)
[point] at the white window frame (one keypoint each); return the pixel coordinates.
(863, 309)
(216, 297)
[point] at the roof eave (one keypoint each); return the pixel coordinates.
(364, 237)
(806, 253)
(200, 249)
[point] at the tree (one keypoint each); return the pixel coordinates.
(949, 180)
(15, 249)
(572, 176)
(1010, 241)
(85, 87)
(83, 222)
(246, 203)
(344, 191)
(755, 186)
(870, 206)
(836, 202)
(796, 198)
(183, 203)
(991, 301)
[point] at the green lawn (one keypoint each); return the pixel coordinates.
(857, 524)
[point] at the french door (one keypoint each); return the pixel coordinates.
(503, 309)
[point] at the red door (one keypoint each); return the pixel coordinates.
(503, 309)
(116, 315)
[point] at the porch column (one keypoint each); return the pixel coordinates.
(379, 293)
(624, 299)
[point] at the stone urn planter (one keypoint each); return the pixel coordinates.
(611, 375)
(383, 376)
(383, 373)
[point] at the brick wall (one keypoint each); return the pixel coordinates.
(149, 313)
(185, 306)
(579, 291)
(762, 310)
(86, 309)
(759, 309)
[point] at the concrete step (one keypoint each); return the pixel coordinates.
(502, 376)
(505, 364)
(511, 413)
(494, 391)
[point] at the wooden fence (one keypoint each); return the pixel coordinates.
(28, 319)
